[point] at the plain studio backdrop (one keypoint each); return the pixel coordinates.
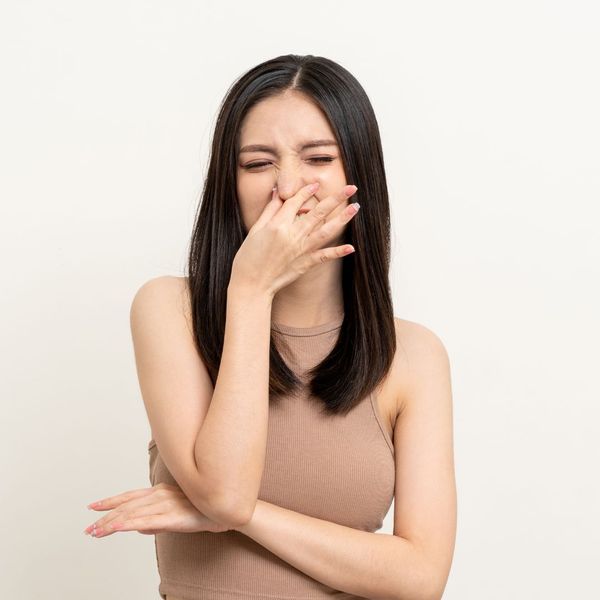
(489, 118)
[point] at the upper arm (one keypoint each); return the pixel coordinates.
(425, 489)
(174, 382)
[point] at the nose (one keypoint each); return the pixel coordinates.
(289, 181)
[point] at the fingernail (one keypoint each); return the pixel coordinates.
(313, 187)
(350, 189)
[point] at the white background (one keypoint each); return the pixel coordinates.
(490, 125)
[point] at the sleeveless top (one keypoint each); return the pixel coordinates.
(336, 468)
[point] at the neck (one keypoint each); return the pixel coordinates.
(313, 299)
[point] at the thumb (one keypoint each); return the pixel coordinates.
(270, 209)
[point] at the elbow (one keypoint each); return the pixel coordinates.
(235, 518)
(239, 519)
(223, 513)
(227, 508)
(223, 516)
(242, 516)
(234, 514)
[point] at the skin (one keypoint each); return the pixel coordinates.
(285, 122)
(415, 560)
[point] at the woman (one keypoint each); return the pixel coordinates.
(288, 405)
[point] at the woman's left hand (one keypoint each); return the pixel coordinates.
(160, 508)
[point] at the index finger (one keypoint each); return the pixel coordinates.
(112, 501)
(292, 206)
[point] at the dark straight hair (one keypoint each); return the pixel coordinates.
(364, 350)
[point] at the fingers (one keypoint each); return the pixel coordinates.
(153, 523)
(140, 505)
(319, 236)
(116, 519)
(292, 206)
(330, 229)
(112, 501)
(312, 218)
(269, 211)
(327, 254)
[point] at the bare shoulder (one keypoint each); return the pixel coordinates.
(160, 290)
(163, 283)
(420, 354)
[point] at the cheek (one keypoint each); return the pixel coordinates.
(253, 196)
(334, 180)
(248, 192)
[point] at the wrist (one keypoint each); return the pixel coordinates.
(241, 289)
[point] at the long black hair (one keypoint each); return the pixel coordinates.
(364, 350)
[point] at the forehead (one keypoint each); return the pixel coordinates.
(286, 117)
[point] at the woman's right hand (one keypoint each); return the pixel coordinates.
(279, 248)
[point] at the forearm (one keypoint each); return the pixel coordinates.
(378, 566)
(231, 445)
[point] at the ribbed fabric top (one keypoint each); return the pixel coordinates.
(337, 468)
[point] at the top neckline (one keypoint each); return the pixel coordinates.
(305, 331)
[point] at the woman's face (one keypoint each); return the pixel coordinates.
(282, 125)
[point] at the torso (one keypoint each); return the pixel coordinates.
(386, 394)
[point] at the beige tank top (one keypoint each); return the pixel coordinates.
(337, 468)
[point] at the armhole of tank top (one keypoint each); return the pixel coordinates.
(380, 422)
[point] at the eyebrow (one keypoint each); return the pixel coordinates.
(304, 146)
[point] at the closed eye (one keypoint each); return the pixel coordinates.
(318, 159)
